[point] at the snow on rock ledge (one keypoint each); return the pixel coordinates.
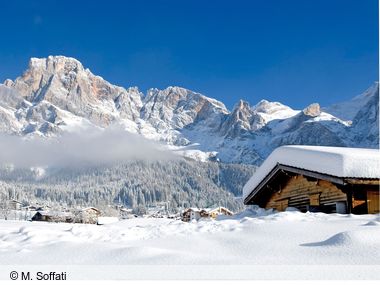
(342, 162)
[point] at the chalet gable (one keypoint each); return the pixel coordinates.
(346, 175)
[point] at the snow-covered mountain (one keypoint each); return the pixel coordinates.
(349, 109)
(57, 94)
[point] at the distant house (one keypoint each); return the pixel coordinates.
(214, 213)
(88, 215)
(194, 214)
(126, 213)
(29, 208)
(55, 217)
(14, 205)
(313, 178)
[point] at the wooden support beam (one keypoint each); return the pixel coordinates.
(349, 200)
(362, 181)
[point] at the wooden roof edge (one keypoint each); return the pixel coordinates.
(322, 176)
(366, 181)
(314, 174)
(282, 167)
(263, 182)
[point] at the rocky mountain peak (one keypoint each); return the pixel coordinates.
(57, 94)
(313, 110)
(63, 82)
(56, 64)
(8, 82)
(242, 112)
(176, 107)
(373, 89)
(240, 105)
(267, 107)
(348, 110)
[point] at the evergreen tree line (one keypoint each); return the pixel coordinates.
(134, 184)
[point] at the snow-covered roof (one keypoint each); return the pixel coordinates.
(197, 209)
(14, 201)
(90, 208)
(219, 209)
(55, 213)
(341, 162)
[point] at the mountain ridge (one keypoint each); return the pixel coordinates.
(57, 94)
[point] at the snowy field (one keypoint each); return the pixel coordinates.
(286, 238)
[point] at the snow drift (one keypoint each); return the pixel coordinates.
(256, 237)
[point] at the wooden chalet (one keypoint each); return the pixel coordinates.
(14, 205)
(53, 217)
(194, 214)
(323, 179)
(214, 213)
(197, 214)
(88, 215)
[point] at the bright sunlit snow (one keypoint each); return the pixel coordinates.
(253, 237)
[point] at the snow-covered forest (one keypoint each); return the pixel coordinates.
(134, 184)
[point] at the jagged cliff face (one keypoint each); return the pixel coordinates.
(365, 124)
(177, 108)
(63, 83)
(57, 94)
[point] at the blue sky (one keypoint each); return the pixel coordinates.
(296, 52)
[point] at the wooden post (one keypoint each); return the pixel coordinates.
(349, 199)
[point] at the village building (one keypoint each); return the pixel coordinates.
(126, 213)
(14, 205)
(194, 214)
(53, 217)
(197, 214)
(29, 208)
(88, 215)
(214, 213)
(314, 178)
